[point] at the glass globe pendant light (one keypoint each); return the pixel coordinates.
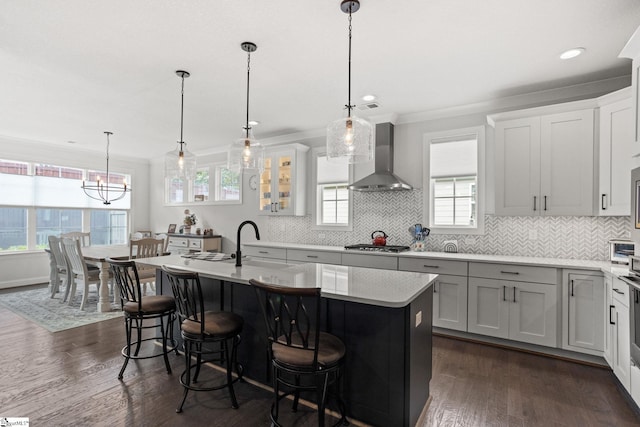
(180, 163)
(246, 152)
(350, 139)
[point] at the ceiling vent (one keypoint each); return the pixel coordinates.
(368, 106)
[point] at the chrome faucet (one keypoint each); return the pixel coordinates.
(238, 252)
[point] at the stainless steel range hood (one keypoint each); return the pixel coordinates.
(382, 179)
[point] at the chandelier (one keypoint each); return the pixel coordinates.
(102, 190)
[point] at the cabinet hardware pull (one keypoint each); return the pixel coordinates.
(430, 266)
(312, 256)
(635, 295)
(572, 288)
(611, 322)
(545, 203)
(617, 291)
(263, 252)
(435, 289)
(509, 272)
(276, 203)
(504, 293)
(534, 203)
(514, 294)
(603, 198)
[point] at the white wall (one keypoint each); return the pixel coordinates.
(33, 267)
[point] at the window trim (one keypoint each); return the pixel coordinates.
(427, 210)
(316, 201)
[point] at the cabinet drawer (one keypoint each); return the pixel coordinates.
(195, 244)
(314, 256)
(384, 262)
(179, 242)
(519, 273)
(435, 266)
(277, 253)
(620, 291)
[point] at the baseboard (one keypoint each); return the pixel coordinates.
(557, 353)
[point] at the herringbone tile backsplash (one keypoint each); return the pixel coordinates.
(571, 237)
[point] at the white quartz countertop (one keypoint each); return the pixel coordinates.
(387, 288)
(603, 266)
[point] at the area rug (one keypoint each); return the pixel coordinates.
(50, 313)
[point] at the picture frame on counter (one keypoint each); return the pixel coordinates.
(172, 228)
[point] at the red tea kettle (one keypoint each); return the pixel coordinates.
(379, 240)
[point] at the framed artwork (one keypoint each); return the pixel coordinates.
(172, 228)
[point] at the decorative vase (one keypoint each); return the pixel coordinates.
(187, 229)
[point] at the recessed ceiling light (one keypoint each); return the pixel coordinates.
(572, 53)
(253, 123)
(369, 98)
(71, 142)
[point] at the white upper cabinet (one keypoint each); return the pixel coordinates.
(632, 51)
(282, 183)
(616, 142)
(544, 162)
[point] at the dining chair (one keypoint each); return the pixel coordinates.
(159, 311)
(206, 334)
(81, 274)
(84, 237)
(165, 237)
(303, 358)
(61, 269)
(145, 248)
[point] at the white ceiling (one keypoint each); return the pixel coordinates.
(75, 68)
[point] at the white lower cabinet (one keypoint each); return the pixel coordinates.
(384, 262)
(520, 311)
(450, 302)
(584, 314)
(635, 383)
(618, 322)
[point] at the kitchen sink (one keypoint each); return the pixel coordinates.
(252, 262)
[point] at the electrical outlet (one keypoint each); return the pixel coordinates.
(470, 241)
(533, 234)
(282, 227)
(321, 236)
(418, 318)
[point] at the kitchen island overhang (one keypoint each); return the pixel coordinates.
(382, 316)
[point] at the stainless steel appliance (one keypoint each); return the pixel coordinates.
(620, 250)
(633, 280)
(376, 248)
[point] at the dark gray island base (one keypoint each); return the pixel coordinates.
(388, 360)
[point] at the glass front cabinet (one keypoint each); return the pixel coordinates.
(283, 181)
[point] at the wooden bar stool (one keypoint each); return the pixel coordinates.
(303, 358)
(214, 335)
(159, 311)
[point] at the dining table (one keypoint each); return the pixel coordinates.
(98, 255)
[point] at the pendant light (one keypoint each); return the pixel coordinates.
(180, 163)
(246, 152)
(350, 139)
(102, 190)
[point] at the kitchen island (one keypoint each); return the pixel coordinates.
(383, 317)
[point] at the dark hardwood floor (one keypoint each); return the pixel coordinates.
(69, 378)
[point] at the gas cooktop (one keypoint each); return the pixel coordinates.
(374, 248)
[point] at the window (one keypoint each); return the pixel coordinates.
(108, 227)
(452, 181)
(214, 184)
(333, 210)
(39, 200)
(227, 184)
(335, 204)
(53, 222)
(13, 229)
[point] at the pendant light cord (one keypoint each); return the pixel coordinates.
(248, 72)
(108, 133)
(181, 112)
(349, 106)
